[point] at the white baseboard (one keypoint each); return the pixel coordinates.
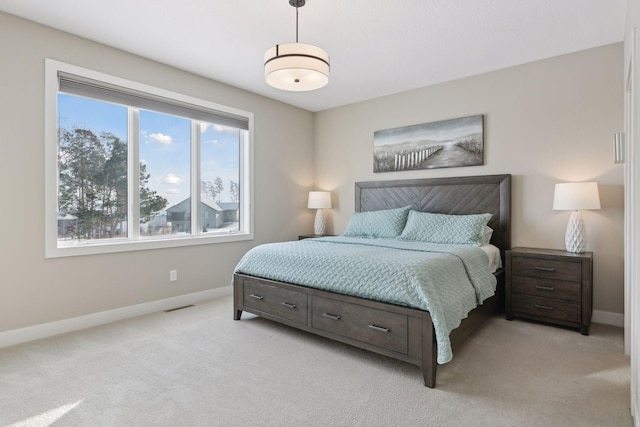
(608, 318)
(31, 333)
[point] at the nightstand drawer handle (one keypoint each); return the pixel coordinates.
(545, 288)
(549, 269)
(544, 307)
(256, 296)
(331, 316)
(380, 329)
(289, 305)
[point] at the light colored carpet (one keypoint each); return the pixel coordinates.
(198, 367)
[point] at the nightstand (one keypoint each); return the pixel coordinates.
(549, 285)
(310, 236)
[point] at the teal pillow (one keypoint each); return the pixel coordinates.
(387, 223)
(445, 229)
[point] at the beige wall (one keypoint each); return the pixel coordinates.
(35, 290)
(545, 122)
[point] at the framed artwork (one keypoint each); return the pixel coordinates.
(444, 144)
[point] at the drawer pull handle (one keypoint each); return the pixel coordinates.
(544, 307)
(545, 288)
(547, 269)
(289, 305)
(331, 316)
(256, 296)
(380, 329)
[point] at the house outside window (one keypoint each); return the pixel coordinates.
(131, 167)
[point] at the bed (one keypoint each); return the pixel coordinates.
(372, 322)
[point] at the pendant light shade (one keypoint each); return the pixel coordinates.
(296, 66)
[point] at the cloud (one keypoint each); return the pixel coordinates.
(161, 138)
(173, 191)
(172, 179)
(204, 126)
(220, 128)
(210, 141)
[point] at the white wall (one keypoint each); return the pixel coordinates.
(35, 290)
(545, 122)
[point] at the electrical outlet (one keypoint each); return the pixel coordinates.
(173, 275)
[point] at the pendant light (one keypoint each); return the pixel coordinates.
(296, 66)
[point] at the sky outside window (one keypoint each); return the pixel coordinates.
(98, 116)
(220, 154)
(164, 144)
(165, 149)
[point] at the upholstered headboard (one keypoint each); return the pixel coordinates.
(457, 195)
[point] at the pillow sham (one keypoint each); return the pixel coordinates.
(387, 223)
(445, 229)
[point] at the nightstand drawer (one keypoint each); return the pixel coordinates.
(377, 327)
(546, 307)
(547, 269)
(558, 289)
(279, 302)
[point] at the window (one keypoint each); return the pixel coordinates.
(130, 167)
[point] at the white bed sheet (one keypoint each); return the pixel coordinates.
(495, 261)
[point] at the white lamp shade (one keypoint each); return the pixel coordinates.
(576, 196)
(296, 67)
(319, 200)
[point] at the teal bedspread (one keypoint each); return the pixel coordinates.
(446, 280)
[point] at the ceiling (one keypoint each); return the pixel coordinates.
(377, 47)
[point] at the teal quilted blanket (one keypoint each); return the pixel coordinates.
(446, 280)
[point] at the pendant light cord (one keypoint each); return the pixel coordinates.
(296, 24)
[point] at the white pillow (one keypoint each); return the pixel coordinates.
(486, 238)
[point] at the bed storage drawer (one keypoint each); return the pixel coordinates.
(276, 301)
(376, 327)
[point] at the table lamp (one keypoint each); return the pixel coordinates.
(319, 200)
(574, 196)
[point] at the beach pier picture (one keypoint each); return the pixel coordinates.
(443, 144)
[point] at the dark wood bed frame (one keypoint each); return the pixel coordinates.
(399, 332)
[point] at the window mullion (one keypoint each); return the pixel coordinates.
(134, 174)
(246, 183)
(196, 223)
(242, 226)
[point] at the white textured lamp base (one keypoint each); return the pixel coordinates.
(319, 225)
(575, 238)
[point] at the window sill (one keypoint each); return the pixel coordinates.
(125, 245)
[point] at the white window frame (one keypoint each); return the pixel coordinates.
(53, 69)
